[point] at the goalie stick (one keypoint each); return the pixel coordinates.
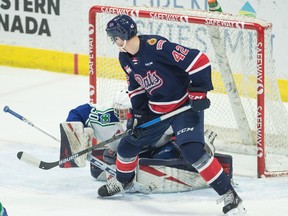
(137, 187)
(46, 165)
(22, 118)
(23, 156)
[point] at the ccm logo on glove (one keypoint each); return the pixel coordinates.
(198, 98)
(197, 95)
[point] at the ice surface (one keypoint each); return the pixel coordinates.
(45, 99)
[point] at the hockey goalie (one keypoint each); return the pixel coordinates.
(160, 167)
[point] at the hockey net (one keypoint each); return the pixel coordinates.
(246, 109)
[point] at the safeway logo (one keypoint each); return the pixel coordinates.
(172, 17)
(91, 29)
(119, 11)
(91, 90)
(92, 94)
(134, 13)
(225, 23)
(260, 88)
(184, 19)
(260, 132)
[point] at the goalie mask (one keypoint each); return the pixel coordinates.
(121, 105)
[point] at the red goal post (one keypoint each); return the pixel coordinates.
(246, 110)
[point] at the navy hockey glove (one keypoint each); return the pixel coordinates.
(136, 118)
(198, 98)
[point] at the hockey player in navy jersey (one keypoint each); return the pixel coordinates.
(163, 76)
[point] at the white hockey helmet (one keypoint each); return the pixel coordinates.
(121, 105)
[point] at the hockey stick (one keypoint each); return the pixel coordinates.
(137, 187)
(23, 156)
(48, 165)
(17, 115)
(165, 116)
(100, 164)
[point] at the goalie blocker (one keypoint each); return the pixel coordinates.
(163, 166)
(74, 138)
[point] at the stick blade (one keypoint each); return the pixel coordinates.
(28, 159)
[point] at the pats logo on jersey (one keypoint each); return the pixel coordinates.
(150, 82)
(152, 41)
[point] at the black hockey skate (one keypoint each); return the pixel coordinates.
(232, 204)
(113, 187)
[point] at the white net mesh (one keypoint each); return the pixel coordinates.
(240, 46)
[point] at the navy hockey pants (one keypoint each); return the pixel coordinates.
(188, 128)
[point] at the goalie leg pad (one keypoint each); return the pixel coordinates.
(209, 137)
(95, 171)
(174, 175)
(74, 138)
(168, 176)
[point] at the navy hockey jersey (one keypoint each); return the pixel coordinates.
(158, 75)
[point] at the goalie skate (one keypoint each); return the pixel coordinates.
(232, 204)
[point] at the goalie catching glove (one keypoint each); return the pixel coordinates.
(136, 118)
(198, 98)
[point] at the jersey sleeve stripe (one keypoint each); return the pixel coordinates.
(193, 62)
(137, 91)
(200, 62)
(199, 69)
